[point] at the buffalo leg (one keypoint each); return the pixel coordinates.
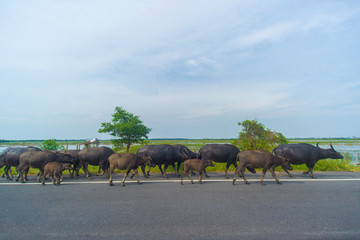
(99, 172)
(263, 175)
(43, 180)
(236, 174)
(242, 172)
(272, 170)
(182, 177)
(126, 174)
(19, 174)
(226, 169)
(161, 170)
(206, 175)
(290, 175)
(165, 168)
(26, 174)
(137, 176)
(7, 169)
(39, 175)
(189, 175)
(4, 173)
(52, 177)
(86, 171)
(57, 177)
(311, 168)
(143, 170)
(111, 171)
(200, 176)
(176, 170)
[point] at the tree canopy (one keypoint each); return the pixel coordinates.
(254, 136)
(127, 127)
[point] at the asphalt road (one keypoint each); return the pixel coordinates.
(326, 208)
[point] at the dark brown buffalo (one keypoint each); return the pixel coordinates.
(304, 153)
(10, 157)
(259, 159)
(54, 170)
(197, 165)
(39, 160)
(222, 153)
(128, 162)
(97, 156)
(75, 159)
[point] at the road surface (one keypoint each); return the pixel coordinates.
(301, 208)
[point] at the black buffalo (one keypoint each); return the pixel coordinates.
(303, 153)
(222, 153)
(97, 156)
(10, 157)
(164, 154)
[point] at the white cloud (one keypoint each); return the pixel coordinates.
(76, 60)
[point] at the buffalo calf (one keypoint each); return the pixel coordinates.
(259, 159)
(197, 165)
(54, 170)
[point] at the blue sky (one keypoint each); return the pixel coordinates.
(191, 69)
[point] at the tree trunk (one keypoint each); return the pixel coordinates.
(128, 147)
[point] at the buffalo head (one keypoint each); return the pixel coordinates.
(285, 163)
(209, 163)
(334, 154)
(148, 161)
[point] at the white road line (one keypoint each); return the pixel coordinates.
(195, 180)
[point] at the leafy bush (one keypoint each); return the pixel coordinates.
(255, 136)
(51, 145)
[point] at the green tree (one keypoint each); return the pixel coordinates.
(51, 145)
(255, 136)
(128, 128)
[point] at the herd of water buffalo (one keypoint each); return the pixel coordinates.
(54, 163)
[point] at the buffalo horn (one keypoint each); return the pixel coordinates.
(317, 145)
(332, 147)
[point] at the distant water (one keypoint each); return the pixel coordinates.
(69, 147)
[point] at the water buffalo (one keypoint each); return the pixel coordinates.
(222, 153)
(260, 159)
(97, 156)
(39, 160)
(54, 170)
(183, 153)
(128, 162)
(197, 165)
(303, 153)
(75, 159)
(162, 154)
(10, 157)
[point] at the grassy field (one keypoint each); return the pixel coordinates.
(345, 164)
